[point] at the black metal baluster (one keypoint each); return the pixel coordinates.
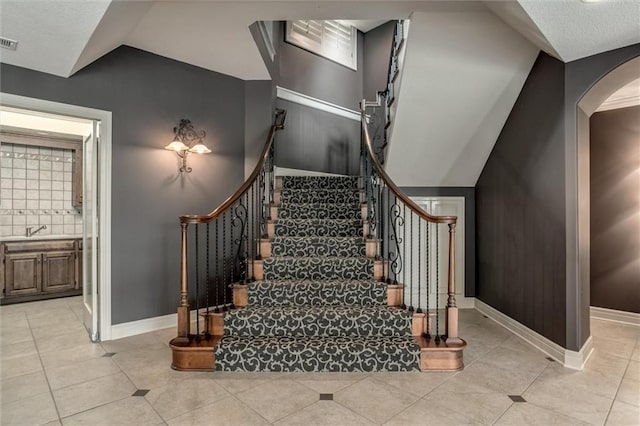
(437, 285)
(404, 255)
(245, 235)
(411, 307)
(217, 263)
(428, 335)
(252, 228)
(197, 285)
(224, 261)
(233, 258)
(419, 310)
(208, 283)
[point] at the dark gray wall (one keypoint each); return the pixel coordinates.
(520, 213)
(318, 141)
(580, 76)
(376, 56)
(310, 74)
(469, 195)
(258, 118)
(148, 95)
(615, 209)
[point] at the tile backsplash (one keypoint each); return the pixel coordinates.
(35, 190)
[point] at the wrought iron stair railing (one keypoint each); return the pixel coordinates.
(217, 249)
(381, 115)
(412, 243)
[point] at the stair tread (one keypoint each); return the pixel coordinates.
(332, 309)
(326, 354)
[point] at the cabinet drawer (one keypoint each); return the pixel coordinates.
(19, 246)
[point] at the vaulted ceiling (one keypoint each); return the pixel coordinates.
(62, 36)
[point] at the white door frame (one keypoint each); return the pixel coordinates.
(104, 261)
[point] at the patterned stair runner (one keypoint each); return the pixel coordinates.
(318, 307)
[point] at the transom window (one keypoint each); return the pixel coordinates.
(330, 39)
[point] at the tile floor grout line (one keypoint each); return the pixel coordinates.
(617, 390)
(44, 372)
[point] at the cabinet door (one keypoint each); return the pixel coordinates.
(22, 274)
(58, 271)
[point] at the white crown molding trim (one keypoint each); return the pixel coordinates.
(629, 318)
(570, 359)
(302, 99)
(619, 103)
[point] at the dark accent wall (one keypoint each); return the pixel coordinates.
(615, 209)
(520, 213)
(318, 141)
(376, 56)
(148, 95)
(469, 195)
(258, 118)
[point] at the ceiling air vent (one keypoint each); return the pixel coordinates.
(7, 43)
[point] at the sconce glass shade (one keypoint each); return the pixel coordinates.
(177, 146)
(200, 148)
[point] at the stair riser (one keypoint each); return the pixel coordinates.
(317, 247)
(298, 229)
(276, 212)
(319, 268)
(321, 183)
(300, 322)
(256, 270)
(318, 196)
(369, 295)
(343, 355)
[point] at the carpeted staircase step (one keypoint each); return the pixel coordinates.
(317, 268)
(323, 354)
(318, 246)
(320, 182)
(307, 196)
(320, 211)
(318, 228)
(317, 292)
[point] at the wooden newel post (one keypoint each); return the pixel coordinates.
(452, 309)
(183, 308)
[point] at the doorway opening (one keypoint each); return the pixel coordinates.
(595, 231)
(56, 214)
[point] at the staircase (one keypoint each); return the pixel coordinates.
(318, 303)
(317, 274)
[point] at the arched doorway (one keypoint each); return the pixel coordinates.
(588, 104)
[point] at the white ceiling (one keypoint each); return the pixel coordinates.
(62, 36)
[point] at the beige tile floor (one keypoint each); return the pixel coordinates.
(51, 374)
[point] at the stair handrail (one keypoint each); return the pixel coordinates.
(389, 182)
(278, 124)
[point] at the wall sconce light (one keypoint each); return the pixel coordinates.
(187, 141)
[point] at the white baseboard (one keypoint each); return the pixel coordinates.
(570, 359)
(629, 318)
(147, 325)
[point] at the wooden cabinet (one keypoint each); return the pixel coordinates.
(34, 270)
(22, 274)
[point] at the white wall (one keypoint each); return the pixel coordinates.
(462, 74)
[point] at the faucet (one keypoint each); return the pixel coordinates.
(31, 233)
